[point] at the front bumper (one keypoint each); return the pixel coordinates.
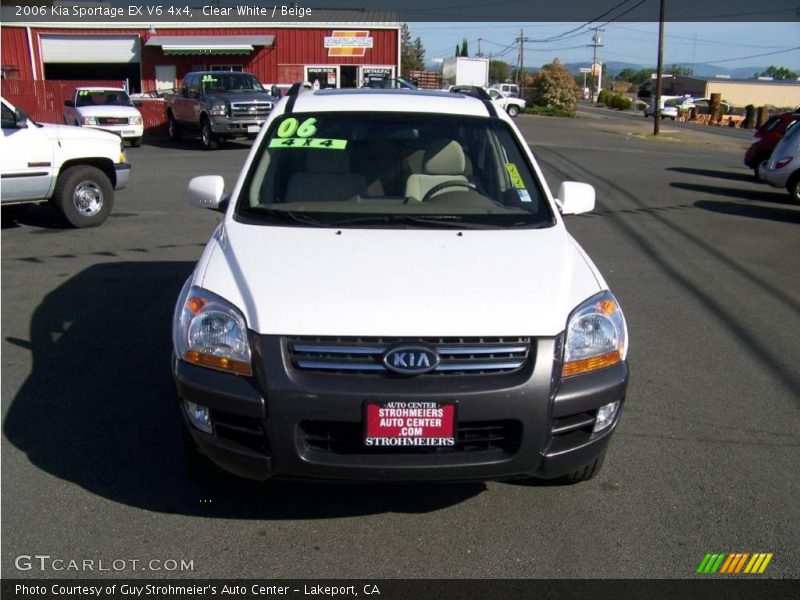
(287, 423)
(127, 132)
(123, 175)
(223, 126)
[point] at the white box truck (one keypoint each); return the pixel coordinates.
(462, 70)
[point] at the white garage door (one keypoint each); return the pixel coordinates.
(90, 49)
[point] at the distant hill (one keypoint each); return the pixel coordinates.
(700, 70)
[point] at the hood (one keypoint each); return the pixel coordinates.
(242, 97)
(108, 111)
(71, 132)
(399, 282)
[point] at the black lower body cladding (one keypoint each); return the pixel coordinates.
(289, 423)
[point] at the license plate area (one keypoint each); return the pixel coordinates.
(253, 128)
(401, 424)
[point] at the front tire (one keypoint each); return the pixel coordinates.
(207, 137)
(173, 128)
(793, 187)
(136, 142)
(84, 196)
(513, 111)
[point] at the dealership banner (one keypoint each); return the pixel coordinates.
(393, 589)
(155, 12)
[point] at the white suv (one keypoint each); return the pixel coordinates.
(392, 295)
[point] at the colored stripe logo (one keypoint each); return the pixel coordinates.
(734, 563)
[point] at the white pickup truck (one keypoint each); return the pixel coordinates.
(77, 169)
(110, 109)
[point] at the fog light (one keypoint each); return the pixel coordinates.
(605, 416)
(199, 416)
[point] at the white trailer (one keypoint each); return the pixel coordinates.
(462, 70)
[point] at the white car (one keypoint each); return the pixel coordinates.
(392, 294)
(76, 169)
(669, 107)
(509, 90)
(783, 168)
(110, 109)
(513, 106)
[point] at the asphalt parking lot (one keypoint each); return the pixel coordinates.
(704, 261)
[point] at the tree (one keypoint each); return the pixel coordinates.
(686, 71)
(464, 48)
(498, 71)
(778, 73)
(555, 87)
(634, 76)
(411, 53)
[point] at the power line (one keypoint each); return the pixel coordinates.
(714, 62)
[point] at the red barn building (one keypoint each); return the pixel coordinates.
(338, 53)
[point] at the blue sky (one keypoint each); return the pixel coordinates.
(627, 42)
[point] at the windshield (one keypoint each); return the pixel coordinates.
(102, 98)
(230, 82)
(333, 169)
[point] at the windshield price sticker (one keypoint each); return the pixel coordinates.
(297, 142)
(292, 126)
(516, 180)
(410, 424)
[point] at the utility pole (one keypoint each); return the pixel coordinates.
(659, 71)
(596, 79)
(520, 62)
(479, 48)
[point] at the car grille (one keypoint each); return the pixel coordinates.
(458, 356)
(340, 437)
(250, 110)
(112, 120)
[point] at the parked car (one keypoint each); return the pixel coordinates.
(77, 169)
(702, 105)
(219, 105)
(766, 138)
(783, 167)
(392, 294)
(513, 106)
(669, 107)
(509, 90)
(110, 109)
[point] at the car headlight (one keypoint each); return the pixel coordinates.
(88, 120)
(597, 336)
(137, 120)
(218, 110)
(210, 332)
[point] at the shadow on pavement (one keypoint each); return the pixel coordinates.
(755, 211)
(730, 175)
(98, 410)
(191, 141)
(43, 215)
(765, 194)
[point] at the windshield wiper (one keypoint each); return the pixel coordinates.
(287, 215)
(448, 221)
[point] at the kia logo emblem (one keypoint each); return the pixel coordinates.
(410, 359)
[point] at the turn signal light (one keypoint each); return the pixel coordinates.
(591, 364)
(218, 362)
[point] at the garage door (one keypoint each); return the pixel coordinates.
(90, 49)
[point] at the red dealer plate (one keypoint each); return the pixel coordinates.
(409, 424)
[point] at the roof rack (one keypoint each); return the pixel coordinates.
(476, 92)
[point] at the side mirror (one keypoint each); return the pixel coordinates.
(137, 102)
(273, 91)
(69, 103)
(207, 191)
(22, 118)
(575, 198)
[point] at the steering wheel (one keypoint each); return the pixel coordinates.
(446, 184)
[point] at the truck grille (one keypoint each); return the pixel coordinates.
(342, 437)
(257, 109)
(112, 120)
(459, 356)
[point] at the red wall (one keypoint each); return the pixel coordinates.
(15, 50)
(292, 47)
